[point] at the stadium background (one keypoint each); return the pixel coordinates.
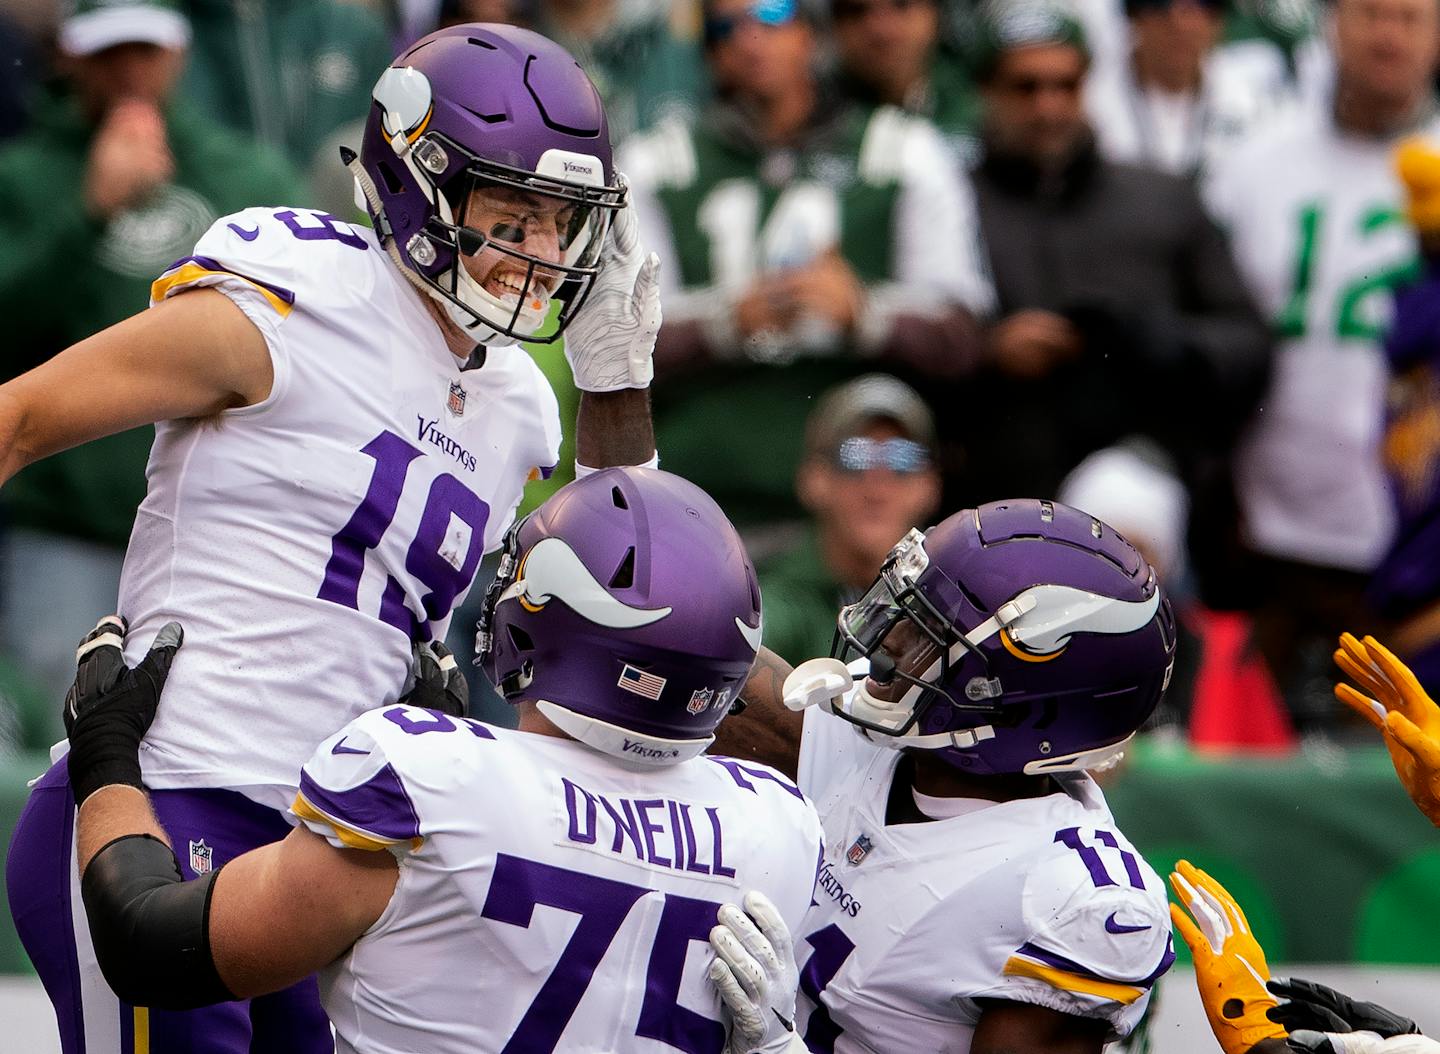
(1308, 826)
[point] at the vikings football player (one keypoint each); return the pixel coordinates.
(344, 425)
(976, 896)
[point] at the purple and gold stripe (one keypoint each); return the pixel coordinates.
(190, 269)
(1031, 960)
(375, 815)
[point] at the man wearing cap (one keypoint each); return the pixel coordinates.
(811, 240)
(867, 477)
(115, 179)
(1121, 309)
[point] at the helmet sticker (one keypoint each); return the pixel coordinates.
(552, 571)
(405, 103)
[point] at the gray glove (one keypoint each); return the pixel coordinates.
(754, 971)
(610, 343)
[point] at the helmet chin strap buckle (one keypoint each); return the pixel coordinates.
(978, 689)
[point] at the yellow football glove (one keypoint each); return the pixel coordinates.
(1397, 706)
(1230, 968)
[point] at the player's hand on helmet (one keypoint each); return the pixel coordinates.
(1387, 695)
(1307, 1042)
(1320, 1008)
(110, 706)
(610, 343)
(436, 681)
(754, 972)
(1230, 968)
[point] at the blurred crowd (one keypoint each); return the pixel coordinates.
(1175, 262)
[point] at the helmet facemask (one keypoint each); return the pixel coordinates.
(929, 645)
(484, 223)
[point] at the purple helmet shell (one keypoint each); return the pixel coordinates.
(627, 609)
(1040, 641)
(493, 106)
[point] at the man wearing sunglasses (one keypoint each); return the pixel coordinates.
(813, 239)
(1121, 307)
(868, 476)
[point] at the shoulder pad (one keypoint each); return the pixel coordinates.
(271, 252)
(352, 790)
(1096, 919)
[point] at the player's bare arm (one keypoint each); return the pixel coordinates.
(191, 356)
(1007, 1027)
(276, 914)
(614, 428)
(766, 730)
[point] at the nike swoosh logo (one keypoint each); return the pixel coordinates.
(751, 634)
(249, 236)
(341, 748)
(1111, 926)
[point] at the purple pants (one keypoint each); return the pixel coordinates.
(207, 828)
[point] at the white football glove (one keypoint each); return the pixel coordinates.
(1361, 1043)
(754, 972)
(611, 341)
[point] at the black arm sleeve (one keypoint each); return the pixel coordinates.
(151, 929)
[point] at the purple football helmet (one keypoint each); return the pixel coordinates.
(627, 609)
(507, 113)
(1028, 637)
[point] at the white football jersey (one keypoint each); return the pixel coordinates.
(1038, 900)
(551, 898)
(304, 541)
(1317, 224)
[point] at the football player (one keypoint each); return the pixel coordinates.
(463, 887)
(976, 895)
(345, 425)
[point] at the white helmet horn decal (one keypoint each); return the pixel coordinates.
(1060, 611)
(551, 570)
(405, 100)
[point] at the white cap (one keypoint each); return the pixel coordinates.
(1139, 497)
(100, 24)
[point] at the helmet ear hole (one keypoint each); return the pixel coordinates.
(519, 638)
(391, 178)
(618, 497)
(624, 576)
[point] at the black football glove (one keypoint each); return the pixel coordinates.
(437, 681)
(1311, 1006)
(110, 706)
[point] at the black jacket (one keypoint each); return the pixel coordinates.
(1174, 346)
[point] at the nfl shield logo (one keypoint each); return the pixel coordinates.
(859, 850)
(699, 700)
(200, 857)
(456, 403)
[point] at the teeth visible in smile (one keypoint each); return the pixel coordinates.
(510, 283)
